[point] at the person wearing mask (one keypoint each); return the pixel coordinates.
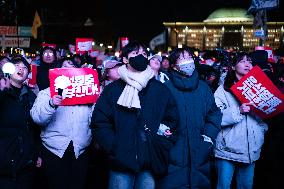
(65, 136)
(155, 64)
(47, 61)
(200, 118)
(239, 142)
(133, 124)
(17, 141)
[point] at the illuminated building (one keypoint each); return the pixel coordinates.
(226, 28)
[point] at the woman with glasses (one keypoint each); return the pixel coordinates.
(47, 61)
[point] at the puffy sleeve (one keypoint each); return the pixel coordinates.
(41, 111)
(213, 116)
(231, 113)
(102, 121)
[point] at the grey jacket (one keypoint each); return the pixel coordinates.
(62, 125)
(241, 136)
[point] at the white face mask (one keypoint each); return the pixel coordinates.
(187, 66)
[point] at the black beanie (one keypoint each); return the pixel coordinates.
(260, 58)
(16, 60)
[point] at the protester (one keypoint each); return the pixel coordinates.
(260, 58)
(47, 61)
(126, 119)
(65, 136)
(238, 144)
(273, 153)
(155, 64)
(198, 127)
(17, 159)
(165, 64)
(110, 73)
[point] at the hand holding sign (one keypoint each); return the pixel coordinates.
(79, 85)
(56, 100)
(245, 108)
(256, 89)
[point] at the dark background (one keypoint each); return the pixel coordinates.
(138, 19)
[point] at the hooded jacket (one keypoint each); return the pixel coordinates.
(189, 158)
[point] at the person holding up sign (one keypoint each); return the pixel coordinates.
(239, 142)
(65, 136)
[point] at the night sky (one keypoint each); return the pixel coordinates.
(141, 20)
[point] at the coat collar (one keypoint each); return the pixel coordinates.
(184, 83)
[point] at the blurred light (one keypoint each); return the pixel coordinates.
(109, 46)
(160, 53)
(179, 46)
(9, 68)
(101, 44)
(148, 49)
(116, 54)
(196, 53)
(93, 43)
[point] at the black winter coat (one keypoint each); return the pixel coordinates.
(189, 158)
(119, 130)
(16, 136)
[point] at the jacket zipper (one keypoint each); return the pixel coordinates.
(248, 139)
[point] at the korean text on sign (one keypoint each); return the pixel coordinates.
(257, 94)
(82, 85)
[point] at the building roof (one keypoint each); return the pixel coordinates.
(229, 15)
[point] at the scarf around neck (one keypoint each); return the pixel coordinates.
(135, 82)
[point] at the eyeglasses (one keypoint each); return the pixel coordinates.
(48, 54)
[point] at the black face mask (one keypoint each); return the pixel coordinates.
(139, 63)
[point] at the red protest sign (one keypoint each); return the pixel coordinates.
(80, 85)
(255, 87)
(84, 45)
(32, 76)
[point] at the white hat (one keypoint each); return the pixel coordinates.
(155, 56)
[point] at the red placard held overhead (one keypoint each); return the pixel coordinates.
(84, 45)
(256, 88)
(80, 85)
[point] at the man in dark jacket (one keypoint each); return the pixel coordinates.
(16, 138)
(200, 121)
(133, 121)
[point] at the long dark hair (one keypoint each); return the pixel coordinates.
(231, 77)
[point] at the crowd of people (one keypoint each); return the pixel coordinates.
(167, 122)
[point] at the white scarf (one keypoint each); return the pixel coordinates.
(135, 82)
